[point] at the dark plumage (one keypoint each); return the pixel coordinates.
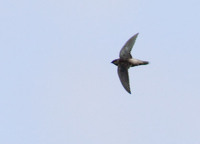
(126, 61)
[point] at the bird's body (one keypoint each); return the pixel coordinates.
(131, 62)
(126, 61)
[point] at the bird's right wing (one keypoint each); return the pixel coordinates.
(123, 76)
(125, 52)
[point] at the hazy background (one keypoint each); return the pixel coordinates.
(57, 85)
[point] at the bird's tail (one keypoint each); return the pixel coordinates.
(144, 63)
(136, 62)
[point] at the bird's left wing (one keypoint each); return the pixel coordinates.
(126, 49)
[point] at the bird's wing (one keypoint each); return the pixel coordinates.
(126, 49)
(123, 76)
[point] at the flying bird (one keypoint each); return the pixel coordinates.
(126, 61)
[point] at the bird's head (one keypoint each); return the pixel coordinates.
(115, 62)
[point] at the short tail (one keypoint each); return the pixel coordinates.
(144, 63)
(136, 62)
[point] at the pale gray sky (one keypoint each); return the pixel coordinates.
(58, 86)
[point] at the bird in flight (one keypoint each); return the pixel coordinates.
(126, 61)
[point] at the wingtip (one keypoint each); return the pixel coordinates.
(129, 91)
(136, 35)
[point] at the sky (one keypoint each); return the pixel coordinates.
(58, 86)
